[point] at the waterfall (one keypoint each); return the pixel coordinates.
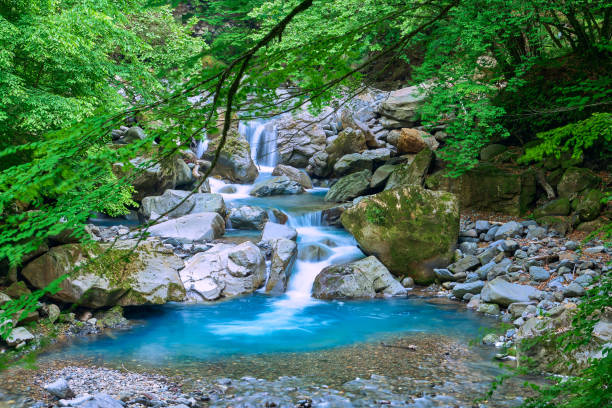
(262, 137)
(311, 219)
(201, 147)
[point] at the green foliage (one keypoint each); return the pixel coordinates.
(592, 133)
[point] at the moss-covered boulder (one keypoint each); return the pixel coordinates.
(412, 172)
(576, 180)
(410, 229)
(558, 223)
(589, 206)
(560, 206)
(146, 275)
(349, 187)
(348, 141)
(235, 163)
(489, 187)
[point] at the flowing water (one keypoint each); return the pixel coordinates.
(294, 334)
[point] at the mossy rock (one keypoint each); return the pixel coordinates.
(589, 206)
(558, 223)
(410, 229)
(560, 206)
(489, 152)
(95, 278)
(412, 172)
(488, 187)
(235, 163)
(576, 180)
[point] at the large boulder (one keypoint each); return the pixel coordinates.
(235, 162)
(129, 273)
(151, 177)
(226, 270)
(402, 105)
(410, 229)
(192, 227)
(487, 187)
(589, 205)
(348, 141)
(317, 164)
(349, 187)
(299, 137)
(248, 217)
(284, 253)
(560, 206)
(280, 185)
(351, 163)
(360, 279)
(293, 174)
(413, 171)
(196, 203)
(502, 292)
(575, 180)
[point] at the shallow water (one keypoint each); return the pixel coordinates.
(257, 324)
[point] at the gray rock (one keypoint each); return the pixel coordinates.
(482, 226)
(205, 226)
(59, 389)
(351, 163)
(248, 217)
(151, 276)
(443, 275)
(504, 293)
(572, 245)
(284, 253)
(196, 203)
(349, 187)
(584, 280)
(468, 248)
(516, 309)
(510, 245)
(594, 250)
(52, 311)
(273, 231)
(489, 254)
(471, 287)
(381, 175)
(19, 335)
(536, 233)
(280, 185)
(538, 274)
(98, 401)
(499, 268)
(294, 174)
(508, 230)
(359, 279)
(574, 290)
(490, 235)
(408, 282)
(402, 105)
(467, 263)
(225, 270)
(488, 308)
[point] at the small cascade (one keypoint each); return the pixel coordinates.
(200, 147)
(261, 136)
(311, 219)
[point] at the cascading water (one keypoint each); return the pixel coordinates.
(261, 136)
(201, 147)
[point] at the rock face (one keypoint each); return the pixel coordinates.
(488, 187)
(150, 276)
(299, 138)
(196, 203)
(402, 105)
(284, 253)
(293, 174)
(411, 230)
(224, 271)
(193, 227)
(349, 187)
(248, 217)
(235, 163)
(280, 185)
(412, 172)
(360, 279)
(155, 178)
(503, 293)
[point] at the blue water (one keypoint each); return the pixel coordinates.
(255, 324)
